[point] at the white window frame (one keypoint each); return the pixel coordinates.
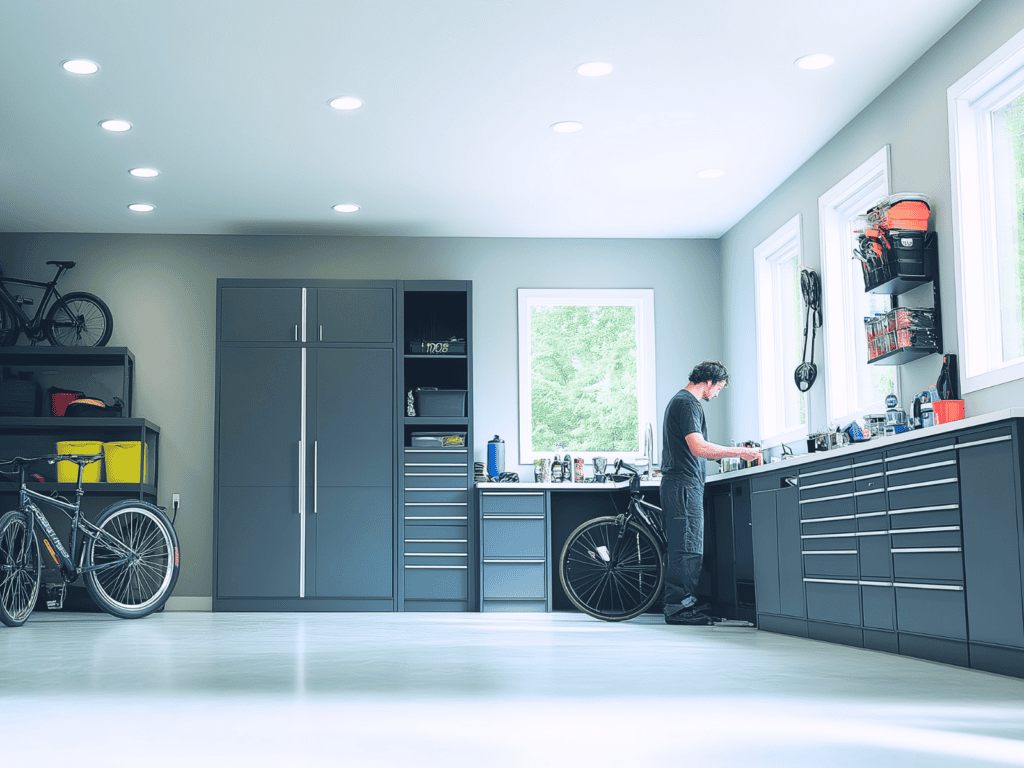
(843, 326)
(970, 102)
(642, 300)
(785, 244)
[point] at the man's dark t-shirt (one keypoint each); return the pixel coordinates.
(683, 416)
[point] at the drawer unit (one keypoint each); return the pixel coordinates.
(870, 501)
(872, 521)
(445, 479)
(872, 482)
(836, 600)
(868, 465)
(422, 496)
(826, 471)
(930, 609)
(436, 582)
(924, 494)
(934, 472)
(878, 601)
(925, 517)
(514, 550)
(824, 525)
(827, 541)
(441, 456)
(928, 564)
(821, 490)
(832, 506)
(835, 563)
(935, 536)
(920, 452)
(873, 548)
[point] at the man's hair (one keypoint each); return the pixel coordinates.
(709, 370)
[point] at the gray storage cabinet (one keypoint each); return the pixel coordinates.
(306, 436)
(775, 527)
(515, 542)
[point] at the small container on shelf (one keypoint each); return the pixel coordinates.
(433, 402)
(67, 471)
(123, 461)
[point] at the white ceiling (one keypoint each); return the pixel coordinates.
(228, 100)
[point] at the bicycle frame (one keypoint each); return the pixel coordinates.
(49, 291)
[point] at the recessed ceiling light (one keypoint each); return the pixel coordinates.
(81, 66)
(816, 61)
(567, 126)
(347, 103)
(144, 173)
(594, 68)
(117, 126)
(346, 208)
(140, 207)
(710, 173)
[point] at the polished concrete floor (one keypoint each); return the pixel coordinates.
(491, 690)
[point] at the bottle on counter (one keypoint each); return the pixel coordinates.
(556, 470)
(567, 469)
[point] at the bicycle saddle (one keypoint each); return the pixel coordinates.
(65, 264)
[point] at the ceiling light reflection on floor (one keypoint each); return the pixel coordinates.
(567, 126)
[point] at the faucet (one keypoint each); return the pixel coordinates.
(649, 449)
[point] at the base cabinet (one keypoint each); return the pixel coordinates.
(514, 547)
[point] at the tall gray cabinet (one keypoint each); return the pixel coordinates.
(310, 426)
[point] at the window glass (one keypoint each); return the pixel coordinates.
(1008, 178)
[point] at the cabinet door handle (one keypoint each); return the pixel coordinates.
(321, 338)
(296, 333)
(316, 476)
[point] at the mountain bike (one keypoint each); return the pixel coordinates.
(128, 558)
(69, 320)
(613, 568)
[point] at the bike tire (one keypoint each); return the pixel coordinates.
(140, 533)
(609, 592)
(78, 320)
(10, 326)
(20, 569)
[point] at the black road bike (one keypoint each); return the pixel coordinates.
(68, 320)
(128, 558)
(613, 568)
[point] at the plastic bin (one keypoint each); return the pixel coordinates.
(67, 471)
(440, 402)
(122, 462)
(945, 411)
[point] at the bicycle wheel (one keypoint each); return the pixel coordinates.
(78, 320)
(609, 578)
(131, 566)
(20, 570)
(10, 328)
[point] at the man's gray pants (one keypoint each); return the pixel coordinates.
(682, 503)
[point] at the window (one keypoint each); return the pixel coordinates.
(780, 334)
(986, 119)
(586, 372)
(853, 387)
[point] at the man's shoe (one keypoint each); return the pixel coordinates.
(692, 620)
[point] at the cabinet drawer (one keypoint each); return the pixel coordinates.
(879, 605)
(826, 490)
(508, 536)
(437, 479)
(769, 482)
(513, 606)
(511, 579)
(926, 495)
(833, 602)
(440, 583)
(931, 611)
(827, 541)
(828, 508)
(429, 532)
(929, 473)
(525, 503)
(872, 482)
(844, 524)
(453, 547)
(919, 453)
(436, 515)
(414, 456)
(869, 465)
(872, 521)
(834, 563)
(925, 517)
(446, 558)
(875, 557)
(938, 536)
(437, 495)
(870, 502)
(826, 472)
(926, 564)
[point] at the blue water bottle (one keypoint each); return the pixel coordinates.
(495, 456)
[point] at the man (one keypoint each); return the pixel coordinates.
(685, 447)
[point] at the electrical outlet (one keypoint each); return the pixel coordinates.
(175, 499)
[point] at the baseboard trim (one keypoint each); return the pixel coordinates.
(203, 604)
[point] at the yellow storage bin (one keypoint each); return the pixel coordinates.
(122, 461)
(67, 471)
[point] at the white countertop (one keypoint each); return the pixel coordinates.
(530, 486)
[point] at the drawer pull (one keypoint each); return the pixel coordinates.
(985, 442)
(922, 485)
(824, 471)
(436, 504)
(873, 533)
(826, 535)
(824, 519)
(437, 474)
(920, 453)
(439, 567)
(435, 465)
(827, 498)
(830, 482)
(866, 493)
(436, 450)
(947, 587)
(536, 562)
(868, 477)
(513, 517)
(830, 581)
(512, 493)
(927, 530)
(436, 541)
(438, 490)
(870, 514)
(875, 583)
(939, 508)
(436, 554)
(858, 464)
(922, 467)
(831, 552)
(436, 517)
(916, 550)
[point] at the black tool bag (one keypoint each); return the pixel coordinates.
(19, 394)
(90, 407)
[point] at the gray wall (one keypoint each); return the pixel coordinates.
(911, 117)
(161, 290)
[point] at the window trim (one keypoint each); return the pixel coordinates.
(640, 298)
(856, 191)
(969, 103)
(770, 375)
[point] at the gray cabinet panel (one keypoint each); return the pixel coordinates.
(511, 580)
(765, 530)
(354, 549)
(512, 537)
(791, 581)
(838, 603)
(879, 607)
(355, 416)
(992, 544)
(260, 314)
(260, 407)
(931, 612)
(355, 315)
(436, 583)
(258, 542)
(875, 558)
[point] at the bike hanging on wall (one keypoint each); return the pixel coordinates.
(70, 320)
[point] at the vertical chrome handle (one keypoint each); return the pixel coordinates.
(316, 483)
(296, 333)
(321, 333)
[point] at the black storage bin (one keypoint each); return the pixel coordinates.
(909, 252)
(19, 395)
(440, 402)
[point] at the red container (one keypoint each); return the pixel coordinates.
(59, 401)
(946, 411)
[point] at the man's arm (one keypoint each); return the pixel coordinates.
(703, 449)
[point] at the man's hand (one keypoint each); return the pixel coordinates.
(749, 454)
